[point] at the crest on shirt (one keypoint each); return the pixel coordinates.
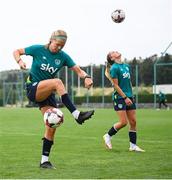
(120, 106)
(57, 61)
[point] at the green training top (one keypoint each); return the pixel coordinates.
(122, 73)
(46, 64)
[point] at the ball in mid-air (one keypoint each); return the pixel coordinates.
(118, 16)
(53, 117)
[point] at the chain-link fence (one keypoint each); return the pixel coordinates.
(12, 84)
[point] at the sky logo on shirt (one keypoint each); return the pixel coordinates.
(48, 68)
(126, 75)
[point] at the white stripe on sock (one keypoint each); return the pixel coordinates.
(44, 159)
(132, 131)
(76, 114)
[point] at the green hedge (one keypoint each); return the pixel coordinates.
(146, 98)
(1, 102)
(142, 98)
(92, 99)
(149, 98)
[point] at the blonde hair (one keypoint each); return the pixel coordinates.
(59, 34)
(107, 72)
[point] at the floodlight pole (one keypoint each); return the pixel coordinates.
(4, 93)
(66, 78)
(72, 88)
(87, 70)
(155, 64)
(154, 70)
(103, 85)
(91, 74)
(22, 96)
(137, 82)
(79, 86)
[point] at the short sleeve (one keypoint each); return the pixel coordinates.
(32, 49)
(114, 72)
(68, 61)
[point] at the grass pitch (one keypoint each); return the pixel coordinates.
(79, 151)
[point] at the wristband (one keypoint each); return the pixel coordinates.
(125, 97)
(87, 76)
(19, 61)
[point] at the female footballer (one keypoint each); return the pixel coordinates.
(41, 85)
(119, 75)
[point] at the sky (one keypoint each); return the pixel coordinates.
(146, 30)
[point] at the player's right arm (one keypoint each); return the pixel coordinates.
(120, 92)
(17, 56)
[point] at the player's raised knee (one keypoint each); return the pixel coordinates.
(58, 82)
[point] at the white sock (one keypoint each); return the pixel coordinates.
(44, 159)
(132, 145)
(76, 114)
(108, 135)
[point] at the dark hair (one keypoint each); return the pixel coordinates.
(109, 59)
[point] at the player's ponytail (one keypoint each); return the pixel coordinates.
(107, 72)
(109, 59)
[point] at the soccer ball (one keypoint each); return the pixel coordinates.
(53, 117)
(118, 15)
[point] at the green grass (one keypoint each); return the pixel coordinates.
(79, 152)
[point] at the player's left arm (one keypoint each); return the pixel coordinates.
(82, 74)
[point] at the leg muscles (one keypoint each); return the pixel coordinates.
(131, 115)
(46, 87)
(122, 120)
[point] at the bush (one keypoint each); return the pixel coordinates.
(92, 99)
(142, 98)
(1, 102)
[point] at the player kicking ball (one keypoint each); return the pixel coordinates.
(42, 84)
(119, 75)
